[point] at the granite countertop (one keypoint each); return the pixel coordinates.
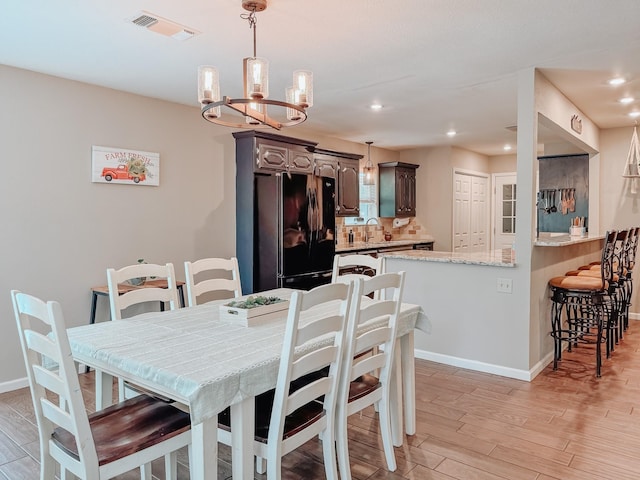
(375, 245)
(563, 239)
(494, 258)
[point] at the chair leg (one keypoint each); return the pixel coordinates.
(145, 471)
(121, 387)
(387, 437)
(261, 465)
(329, 454)
(274, 466)
(171, 466)
(342, 447)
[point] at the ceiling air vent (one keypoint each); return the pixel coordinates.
(144, 21)
(160, 25)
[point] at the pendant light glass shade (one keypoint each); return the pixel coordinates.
(256, 107)
(292, 97)
(209, 89)
(257, 77)
(303, 84)
(369, 171)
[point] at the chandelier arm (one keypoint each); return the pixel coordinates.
(242, 105)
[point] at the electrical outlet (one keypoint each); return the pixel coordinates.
(504, 285)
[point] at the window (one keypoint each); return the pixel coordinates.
(509, 208)
(368, 203)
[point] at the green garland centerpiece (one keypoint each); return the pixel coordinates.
(253, 302)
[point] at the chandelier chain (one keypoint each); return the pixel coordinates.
(253, 20)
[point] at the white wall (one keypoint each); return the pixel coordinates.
(503, 163)
(471, 324)
(619, 208)
(61, 231)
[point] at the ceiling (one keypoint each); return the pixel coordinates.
(435, 65)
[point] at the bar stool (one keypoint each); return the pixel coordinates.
(627, 280)
(619, 273)
(588, 304)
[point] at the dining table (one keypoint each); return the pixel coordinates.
(207, 361)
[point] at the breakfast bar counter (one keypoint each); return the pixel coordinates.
(563, 240)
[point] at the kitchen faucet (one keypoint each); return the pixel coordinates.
(366, 232)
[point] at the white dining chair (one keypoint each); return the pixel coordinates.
(287, 417)
(366, 379)
(360, 265)
(206, 268)
(119, 302)
(92, 447)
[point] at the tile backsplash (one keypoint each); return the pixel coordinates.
(412, 231)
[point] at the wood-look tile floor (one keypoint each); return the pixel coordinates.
(471, 426)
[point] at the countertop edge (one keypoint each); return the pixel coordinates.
(565, 240)
(488, 259)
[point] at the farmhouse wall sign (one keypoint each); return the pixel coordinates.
(128, 167)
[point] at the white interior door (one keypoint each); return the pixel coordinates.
(461, 212)
(470, 212)
(504, 208)
(479, 217)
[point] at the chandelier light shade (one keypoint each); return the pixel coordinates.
(369, 170)
(303, 84)
(209, 89)
(250, 111)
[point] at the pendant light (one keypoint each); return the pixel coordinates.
(369, 170)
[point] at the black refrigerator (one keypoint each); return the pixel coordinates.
(294, 231)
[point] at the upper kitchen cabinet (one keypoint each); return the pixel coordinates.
(276, 153)
(397, 189)
(345, 168)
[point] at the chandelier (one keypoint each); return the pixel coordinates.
(251, 110)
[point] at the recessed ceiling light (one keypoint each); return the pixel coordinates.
(625, 100)
(451, 133)
(634, 114)
(375, 106)
(617, 81)
(507, 147)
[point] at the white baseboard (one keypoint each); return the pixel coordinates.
(634, 316)
(526, 375)
(14, 385)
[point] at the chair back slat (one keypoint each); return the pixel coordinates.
(307, 363)
(307, 394)
(318, 327)
(368, 364)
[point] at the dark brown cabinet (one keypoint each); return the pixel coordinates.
(397, 189)
(345, 168)
(276, 156)
(285, 211)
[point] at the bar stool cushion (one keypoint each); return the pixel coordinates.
(578, 282)
(590, 273)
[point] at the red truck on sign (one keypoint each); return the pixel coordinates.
(121, 172)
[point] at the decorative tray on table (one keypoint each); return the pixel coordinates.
(254, 310)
